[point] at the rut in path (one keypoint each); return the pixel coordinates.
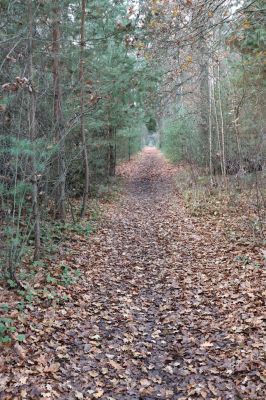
(162, 311)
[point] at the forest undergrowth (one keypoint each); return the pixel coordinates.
(236, 203)
(162, 299)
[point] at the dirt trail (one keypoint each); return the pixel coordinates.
(160, 287)
(163, 312)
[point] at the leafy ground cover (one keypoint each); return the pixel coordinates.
(158, 303)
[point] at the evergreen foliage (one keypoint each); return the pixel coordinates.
(181, 141)
(82, 84)
(42, 152)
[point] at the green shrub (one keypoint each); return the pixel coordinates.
(181, 141)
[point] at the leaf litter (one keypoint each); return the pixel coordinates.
(163, 309)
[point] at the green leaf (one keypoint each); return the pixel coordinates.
(21, 306)
(11, 283)
(50, 279)
(5, 339)
(21, 337)
(5, 307)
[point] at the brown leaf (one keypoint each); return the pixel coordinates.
(21, 352)
(98, 394)
(145, 382)
(115, 365)
(52, 367)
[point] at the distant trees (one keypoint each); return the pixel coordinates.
(72, 84)
(211, 57)
(81, 81)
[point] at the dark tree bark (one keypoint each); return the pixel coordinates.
(32, 136)
(58, 116)
(82, 131)
(112, 152)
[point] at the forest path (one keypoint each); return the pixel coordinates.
(163, 310)
(167, 309)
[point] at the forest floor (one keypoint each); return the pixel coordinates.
(167, 306)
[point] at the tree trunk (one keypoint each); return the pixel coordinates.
(112, 152)
(129, 148)
(222, 122)
(203, 58)
(217, 128)
(58, 116)
(210, 83)
(237, 109)
(32, 136)
(82, 131)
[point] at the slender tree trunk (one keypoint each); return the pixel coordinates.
(210, 120)
(203, 58)
(115, 153)
(129, 148)
(32, 136)
(217, 128)
(222, 121)
(112, 152)
(82, 131)
(236, 128)
(237, 109)
(58, 115)
(111, 160)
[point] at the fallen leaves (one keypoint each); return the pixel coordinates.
(164, 309)
(98, 394)
(54, 367)
(145, 382)
(115, 365)
(20, 351)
